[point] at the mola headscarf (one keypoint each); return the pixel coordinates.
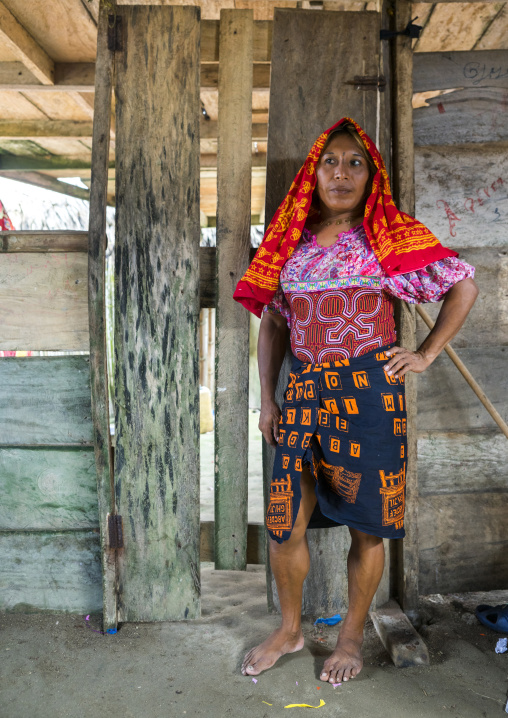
(400, 242)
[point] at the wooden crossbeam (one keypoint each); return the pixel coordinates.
(80, 77)
(14, 36)
(210, 75)
(63, 166)
(474, 68)
(53, 163)
(210, 131)
(30, 129)
(255, 542)
(35, 241)
(71, 241)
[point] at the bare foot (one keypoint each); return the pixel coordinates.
(346, 661)
(267, 653)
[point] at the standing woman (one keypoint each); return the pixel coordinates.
(333, 259)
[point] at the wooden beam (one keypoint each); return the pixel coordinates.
(403, 185)
(209, 161)
(49, 163)
(402, 642)
(234, 170)
(256, 537)
(43, 302)
(30, 129)
(260, 76)
(157, 313)
(33, 129)
(97, 244)
(68, 242)
(80, 77)
(210, 130)
(14, 36)
(43, 241)
(62, 166)
(84, 103)
(446, 70)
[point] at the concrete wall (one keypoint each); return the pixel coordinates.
(462, 195)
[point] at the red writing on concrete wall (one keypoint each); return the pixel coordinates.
(483, 194)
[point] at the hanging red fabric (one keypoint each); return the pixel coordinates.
(5, 222)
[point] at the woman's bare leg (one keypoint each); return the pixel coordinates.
(290, 563)
(365, 565)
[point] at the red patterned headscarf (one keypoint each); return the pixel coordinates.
(400, 242)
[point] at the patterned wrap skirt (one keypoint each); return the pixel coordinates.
(347, 421)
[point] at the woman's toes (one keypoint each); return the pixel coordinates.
(324, 675)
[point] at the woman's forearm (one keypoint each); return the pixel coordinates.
(271, 352)
(456, 306)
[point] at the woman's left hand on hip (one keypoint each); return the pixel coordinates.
(403, 360)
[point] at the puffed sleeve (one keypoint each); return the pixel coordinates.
(279, 305)
(429, 284)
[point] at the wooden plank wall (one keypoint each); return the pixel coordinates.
(49, 526)
(43, 301)
(157, 312)
(294, 125)
(462, 195)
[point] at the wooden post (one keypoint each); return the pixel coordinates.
(403, 186)
(97, 242)
(301, 107)
(203, 358)
(157, 312)
(234, 164)
(211, 351)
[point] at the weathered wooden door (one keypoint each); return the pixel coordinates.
(325, 65)
(157, 311)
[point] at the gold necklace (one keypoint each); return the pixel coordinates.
(326, 223)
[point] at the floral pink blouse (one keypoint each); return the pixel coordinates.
(338, 300)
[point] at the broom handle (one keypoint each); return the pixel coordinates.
(467, 376)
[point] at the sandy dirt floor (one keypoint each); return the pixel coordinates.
(57, 666)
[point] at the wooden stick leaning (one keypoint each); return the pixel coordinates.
(468, 376)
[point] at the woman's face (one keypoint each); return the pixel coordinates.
(342, 176)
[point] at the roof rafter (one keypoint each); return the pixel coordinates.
(14, 36)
